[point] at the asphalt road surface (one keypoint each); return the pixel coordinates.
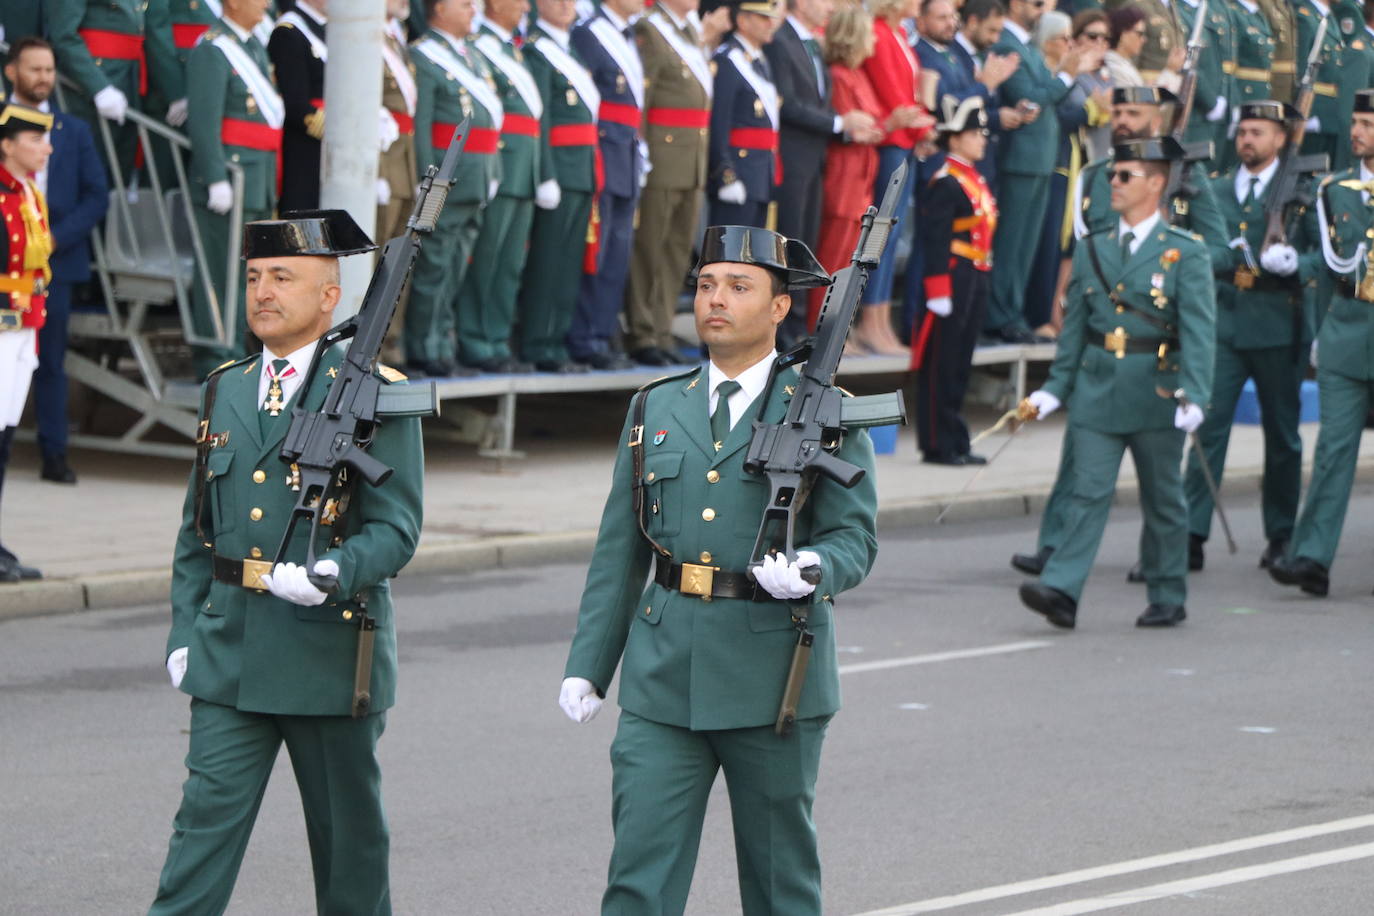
(983, 762)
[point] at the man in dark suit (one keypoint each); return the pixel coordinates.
(809, 123)
(77, 200)
(298, 52)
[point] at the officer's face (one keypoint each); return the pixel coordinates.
(26, 152)
(969, 145)
(246, 13)
(559, 13)
(1362, 135)
(1258, 141)
(33, 74)
(454, 16)
(1133, 184)
(758, 29)
(1132, 122)
(507, 13)
(736, 311)
(291, 301)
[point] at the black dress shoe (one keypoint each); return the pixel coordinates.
(56, 469)
(971, 458)
(1135, 575)
(500, 365)
(1032, 564)
(940, 458)
(1012, 334)
(1195, 557)
(605, 362)
(1273, 553)
(652, 356)
(1305, 573)
(1162, 615)
(1058, 608)
(11, 570)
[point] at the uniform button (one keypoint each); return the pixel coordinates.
(706, 556)
(259, 476)
(650, 476)
(668, 138)
(712, 476)
(255, 553)
(347, 615)
(743, 153)
(708, 513)
(256, 514)
(649, 609)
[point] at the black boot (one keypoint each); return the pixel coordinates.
(56, 469)
(1058, 608)
(1162, 615)
(1195, 557)
(1032, 564)
(1305, 573)
(1273, 553)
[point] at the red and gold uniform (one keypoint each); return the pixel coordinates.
(26, 248)
(958, 220)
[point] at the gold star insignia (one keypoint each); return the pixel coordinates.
(788, 390)
(718, 445)
(332, 372)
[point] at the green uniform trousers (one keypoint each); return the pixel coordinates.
(439, 272)
(1054, 519)
(553, 275)
(1014, 247)
(1344, 405)
(486, 308)
(661, 778)
(1278, 384)
(214, 236)
(1163, 544)
(230, 759)
(664, 239)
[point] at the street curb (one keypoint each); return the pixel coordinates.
(106, 591)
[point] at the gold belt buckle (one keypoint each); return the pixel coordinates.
(1115, 342)
(253, 571)
(1244, 278)
(697, 580)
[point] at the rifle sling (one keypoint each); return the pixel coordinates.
(1120, 303)
(636, 445)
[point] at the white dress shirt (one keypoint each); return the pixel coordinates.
(1243, 176)
(300, 361)
(751, 384)
(1139, 232)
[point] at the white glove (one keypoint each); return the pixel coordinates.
(1218, 111)
(492, 187)
(388, 131)
(112, 104)
(579, 700)
(176, 113)
(383, 192)
(1280, 259)
(784, 580)
(176, 666)
(221, 197)
(1187, 418)
(1314, 125)
(548, 195)
(645, 165)
(941, 306)
(732, 193)
(289, 582)
(1044, 403)
(1312, 355)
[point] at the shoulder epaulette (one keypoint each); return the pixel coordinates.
(230, 364)
(944, 171)
(668, 378)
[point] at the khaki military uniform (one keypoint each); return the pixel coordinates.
(396, 164)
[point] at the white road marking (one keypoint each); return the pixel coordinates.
(1204, 882)
(954, 655)
(1258, 729)
(1129, 866)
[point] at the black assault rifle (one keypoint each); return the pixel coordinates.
(1286, 187)
(1180, 188)
(793, 452)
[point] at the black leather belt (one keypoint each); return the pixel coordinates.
(1121, 344)
(244, 573)
(708, 582)
(1265, 283)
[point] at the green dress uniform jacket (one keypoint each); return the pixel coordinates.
(146, 19)
(1251, 68)
(1163, 33)
(1334, 90)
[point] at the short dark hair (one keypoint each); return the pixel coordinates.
(1085, 18)
(1123, 19)
(1156, 167)
(982, 9)
(926, 4)
(429, 8)
(779, 282)
(27, 43)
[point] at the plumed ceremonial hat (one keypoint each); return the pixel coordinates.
(306, 233)
(1150, 149)
(765, 248)
(957, 117)
(1142, 95)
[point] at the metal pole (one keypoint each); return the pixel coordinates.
(352, 98)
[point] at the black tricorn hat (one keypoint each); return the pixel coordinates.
(768, 249)
(1142, 95)
(957, 116)
(305, 233)
(1268, 110)
(1150, 149)
(1364, 101)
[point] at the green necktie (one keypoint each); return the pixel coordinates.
(720, 420)
(1250, 197)
(278, 370)
(1126, 239)
(813, 50)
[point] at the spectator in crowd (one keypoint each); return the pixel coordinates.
(810, 122)
(745, 165)
(1093, 33)
(453, 82)
(234, 114)
(396, 175)
(25, 247)
(1128, 40)
(1164, 44)
(714, 25)
(849, 167)
(606, 45)
(298, 53)
(679, 104)
(74, 184)
(1025, 169)
(895, 75)
(553, 272)
(982, 23)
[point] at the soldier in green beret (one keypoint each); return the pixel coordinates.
(266, 656)
(1134, 363)
(1345, 371)
(704, 648)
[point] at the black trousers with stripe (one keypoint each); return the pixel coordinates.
(942, 380)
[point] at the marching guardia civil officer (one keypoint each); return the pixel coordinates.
(235, 116)
(486, 304)
(1137, 113)
(1264, 328)
(703, 649)
(676, 128)
(1250, 70)
(1345, 369)
(267, 657)
(454, 82)
(1134, 361)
